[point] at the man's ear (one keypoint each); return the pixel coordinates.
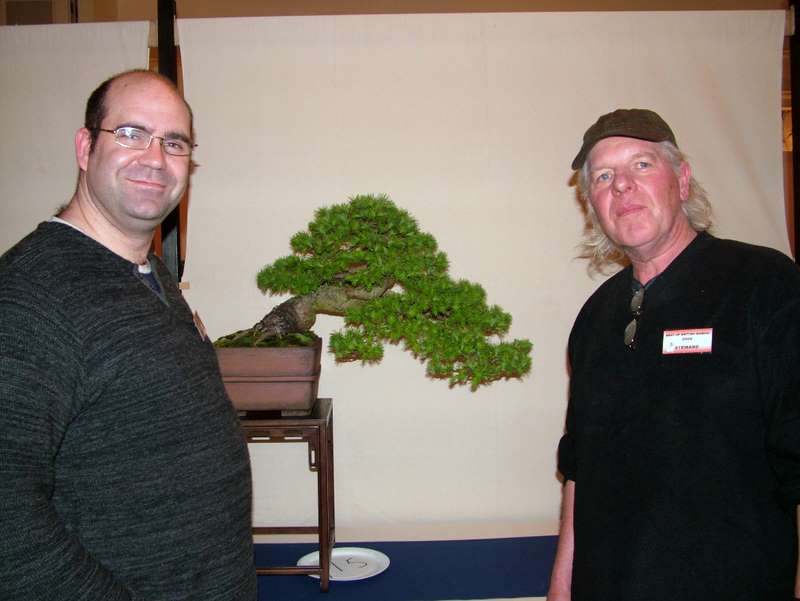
(684, 180)
(83, 146)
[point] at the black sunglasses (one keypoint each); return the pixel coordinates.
(636, 310)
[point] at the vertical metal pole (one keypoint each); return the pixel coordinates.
(168, 66)
(794, 61)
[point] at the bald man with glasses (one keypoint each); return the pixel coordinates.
(124, 473)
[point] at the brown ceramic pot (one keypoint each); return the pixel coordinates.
(264, 379)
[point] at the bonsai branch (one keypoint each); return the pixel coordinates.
(299, 313)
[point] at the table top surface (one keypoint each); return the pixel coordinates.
(320, 414)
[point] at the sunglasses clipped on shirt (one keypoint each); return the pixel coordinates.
(636, 311)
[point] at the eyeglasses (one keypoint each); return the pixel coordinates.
(636, 310)
(138, 139)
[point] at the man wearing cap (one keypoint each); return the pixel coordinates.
(681, 454)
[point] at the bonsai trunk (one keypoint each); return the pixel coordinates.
(299, 313)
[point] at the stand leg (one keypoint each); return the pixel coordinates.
(325, 505)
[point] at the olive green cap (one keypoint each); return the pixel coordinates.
(642, 124)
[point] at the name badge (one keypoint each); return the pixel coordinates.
(679, 342)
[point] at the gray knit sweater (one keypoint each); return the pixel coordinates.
(124, 474)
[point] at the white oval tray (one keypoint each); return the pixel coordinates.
(349, 563)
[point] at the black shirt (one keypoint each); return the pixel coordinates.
(687, 465)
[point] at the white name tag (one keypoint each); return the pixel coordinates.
(696, 340)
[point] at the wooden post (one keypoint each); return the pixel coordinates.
(794, 60)
(168, 66)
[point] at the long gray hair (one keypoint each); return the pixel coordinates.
(602, 252)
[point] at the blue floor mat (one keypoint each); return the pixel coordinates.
(423, 571)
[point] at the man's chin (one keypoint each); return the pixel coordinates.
(635, 234)
(150, 217)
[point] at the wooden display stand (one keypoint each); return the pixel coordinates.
(316, 429)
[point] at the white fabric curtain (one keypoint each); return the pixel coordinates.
(470, 122)
(46, 74)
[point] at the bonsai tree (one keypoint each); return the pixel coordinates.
(367, 261)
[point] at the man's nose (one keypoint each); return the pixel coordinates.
(622, 182)
(153, 155)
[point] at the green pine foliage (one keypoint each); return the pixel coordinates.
(365, 243)
(246, 339)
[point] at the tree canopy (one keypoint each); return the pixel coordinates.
(367, 261)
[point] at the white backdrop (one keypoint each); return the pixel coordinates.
(46, 74)
(469, 122)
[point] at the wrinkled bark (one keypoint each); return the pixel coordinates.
(299, 313)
